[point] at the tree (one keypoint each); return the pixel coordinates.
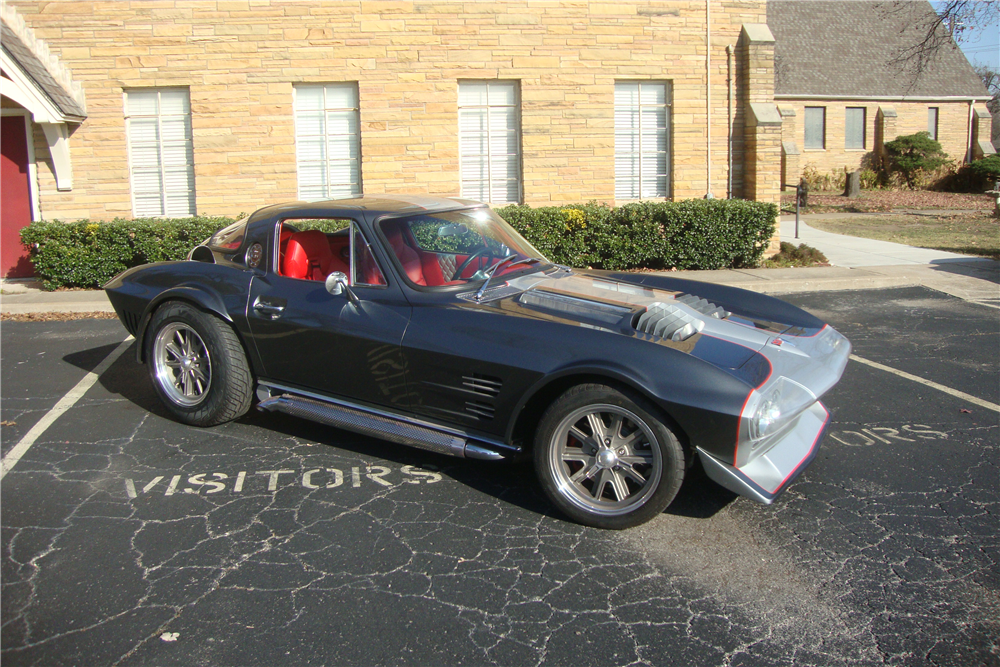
(915, 153)
(936, 30)
(991, 79)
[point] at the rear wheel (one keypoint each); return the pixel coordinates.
(606, 459)
(197, 365)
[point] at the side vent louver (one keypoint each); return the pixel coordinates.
(484, 385)
(479, 409)
(670, 322)
(131, 321)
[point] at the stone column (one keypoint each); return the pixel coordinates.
(981, 123)
(885, 130)
(762, 130)
(790, 155)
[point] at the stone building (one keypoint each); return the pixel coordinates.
(219, 107)
(841, 96)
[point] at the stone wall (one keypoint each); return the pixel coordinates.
(240, 60)
(911, 117)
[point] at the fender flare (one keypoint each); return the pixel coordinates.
(197, 296)
(596, 371)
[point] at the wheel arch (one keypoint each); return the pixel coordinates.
(536, 400)
(199, 298)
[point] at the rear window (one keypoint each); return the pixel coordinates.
(231, 237)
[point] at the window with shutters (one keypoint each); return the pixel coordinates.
(642, 139)
(854, 128)
(328, 141)
(161, 157)
(489, 137)
(932, 122)
(815, 129)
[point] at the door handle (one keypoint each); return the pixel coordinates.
(272, 310)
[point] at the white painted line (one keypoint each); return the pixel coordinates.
(933, 385)
(64, 404)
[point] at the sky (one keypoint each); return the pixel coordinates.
(982, 44)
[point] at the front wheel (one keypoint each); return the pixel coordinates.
(197, 365)
(605, 458)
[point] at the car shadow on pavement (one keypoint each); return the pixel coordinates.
(510, 482)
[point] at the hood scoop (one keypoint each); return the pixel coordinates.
(575, 307)
(671, 322)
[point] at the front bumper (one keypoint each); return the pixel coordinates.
(766, 476)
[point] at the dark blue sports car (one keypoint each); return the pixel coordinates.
(430, 322)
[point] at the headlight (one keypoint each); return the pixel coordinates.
(781, 403)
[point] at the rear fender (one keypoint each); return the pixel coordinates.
(196, 296)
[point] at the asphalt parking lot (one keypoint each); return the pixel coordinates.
(129, 539)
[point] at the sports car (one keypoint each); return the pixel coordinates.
(430, 322)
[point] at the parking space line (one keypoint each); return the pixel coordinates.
(64, 404)
(933, 385)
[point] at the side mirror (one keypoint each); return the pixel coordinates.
(337, 284)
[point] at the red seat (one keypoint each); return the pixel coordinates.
(308, 257)
(408, 257)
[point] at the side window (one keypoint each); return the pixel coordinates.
(312, 249)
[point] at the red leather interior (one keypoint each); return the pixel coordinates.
(408, 257)
(308, 256)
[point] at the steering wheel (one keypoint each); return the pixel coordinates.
(468, 260)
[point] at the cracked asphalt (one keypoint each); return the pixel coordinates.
(129, 539)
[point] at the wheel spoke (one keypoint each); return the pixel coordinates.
(615, 428)
(584, 473)
(630, 471)
(172, 349)
(199, 373)
(582, 437)
(578, 456)
(618, 484)
(596, 425)
(636, 459)
(632, 438)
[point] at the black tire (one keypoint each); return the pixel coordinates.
(197, 365)
(621, 479)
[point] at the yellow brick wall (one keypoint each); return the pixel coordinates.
(241, 59)
(953, 131)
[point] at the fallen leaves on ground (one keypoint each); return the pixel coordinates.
(56, 317)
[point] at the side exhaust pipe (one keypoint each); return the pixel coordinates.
(378, 426)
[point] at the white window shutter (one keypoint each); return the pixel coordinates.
(161, 154)
(489, 141)
(642, 140)
(328, 141)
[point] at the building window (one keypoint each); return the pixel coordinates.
(161, 157)
(642, 139)
(815, 127)
(932, 122)
(489, 139)
(328, 141)
(854, 128)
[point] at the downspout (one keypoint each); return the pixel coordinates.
(968, 150)
(729, 126)
(708, 97)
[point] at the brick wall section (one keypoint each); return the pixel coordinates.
(241, 59)
(953, 130)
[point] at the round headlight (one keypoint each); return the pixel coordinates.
(785, 400)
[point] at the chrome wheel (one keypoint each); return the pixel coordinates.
(182, 365)
(605, 460)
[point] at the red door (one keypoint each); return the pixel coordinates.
(15, 198)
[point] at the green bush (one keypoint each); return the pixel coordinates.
(693, 234)
(987, 168)
(914, 154)
(88, 254)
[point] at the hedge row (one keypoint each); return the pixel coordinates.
(88, 254)
(694, 234)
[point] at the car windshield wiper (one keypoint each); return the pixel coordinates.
(493, 269)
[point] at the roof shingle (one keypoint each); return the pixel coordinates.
(845, 48)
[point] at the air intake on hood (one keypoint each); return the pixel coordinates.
(666, 321)
(703, 306)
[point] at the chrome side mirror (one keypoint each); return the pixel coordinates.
(337, 284)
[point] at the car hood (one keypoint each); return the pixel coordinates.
(756, 336)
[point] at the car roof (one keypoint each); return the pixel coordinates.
(378, 204)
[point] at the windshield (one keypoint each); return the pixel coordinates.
(456, 247)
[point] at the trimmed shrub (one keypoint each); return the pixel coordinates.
(914, 155)
(88, 254)
(692, 234)
(987, 168)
